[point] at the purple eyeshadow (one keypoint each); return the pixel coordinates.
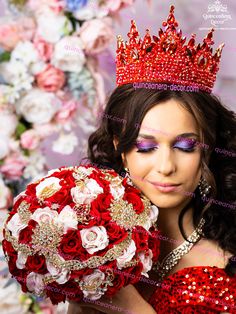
(144, 145)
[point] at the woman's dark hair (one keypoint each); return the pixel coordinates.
(122, 118)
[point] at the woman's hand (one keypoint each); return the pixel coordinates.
(127, 301)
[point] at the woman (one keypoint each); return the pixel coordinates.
(168, 142)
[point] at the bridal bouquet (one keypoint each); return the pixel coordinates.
(80, 232)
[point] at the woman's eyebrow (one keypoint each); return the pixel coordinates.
(184, 135)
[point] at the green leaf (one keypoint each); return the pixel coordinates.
(21, 128)
(5, 56)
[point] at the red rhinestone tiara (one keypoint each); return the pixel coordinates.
(166, 59)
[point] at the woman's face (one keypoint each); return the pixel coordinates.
(165, 154)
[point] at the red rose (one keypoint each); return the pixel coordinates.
(20, 275)
(72, 291)
(36, 263)
(71, 246)
(134, 273)
(54, 292)
(135, 200)
(25, 235)
(115, 233)
(140, 237)
(102, 202)
(8, 248)
(117, 283)
(154, 243)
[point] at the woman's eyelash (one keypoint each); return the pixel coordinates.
(147, 149)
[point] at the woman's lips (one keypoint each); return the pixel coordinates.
(165, 187)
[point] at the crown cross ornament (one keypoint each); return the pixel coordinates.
(166, 58)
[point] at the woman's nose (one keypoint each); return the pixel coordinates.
(165, 161)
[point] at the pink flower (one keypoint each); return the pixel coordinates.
(67, 111)
(5, 196)
(13, 167)
(30, 139)
(115, 5)
(44, 48)
(13, 32)
(96, 34)
(51, 79)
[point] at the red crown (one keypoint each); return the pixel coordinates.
(167, 59)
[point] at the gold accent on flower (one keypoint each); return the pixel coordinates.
(123, 213)
(48, 191)
(23, 211)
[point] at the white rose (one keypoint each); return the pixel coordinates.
(68, 54)
(42, 215)
(15, 73)
(5, 195)
(67, 218)
(65, 143)
(94, 239)
(4, 146)
(9, 121)
(127, 255)
(116, 188)
(152, 217)
(87, 193)
(34, 282)
(15, 225)
(94, 280)
(147, 262)
(52, 27)
(21, 260)
(38, 106)
(61, 275)
(49, 183)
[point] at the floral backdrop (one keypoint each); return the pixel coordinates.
(51, 92)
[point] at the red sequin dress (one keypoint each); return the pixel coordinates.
(198, 289)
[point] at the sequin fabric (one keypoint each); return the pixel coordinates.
(198, 289)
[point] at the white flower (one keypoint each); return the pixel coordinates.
(38, 106)
(42, 215)
(65, 144)
(35, 168)
(94, 280)
(4, 146)
(61, 275)
(21, 260)
(147, 262)
(127, 255)
(68, 54)
(94, 239)
(9, 120)
(26, 53)
(15, 225)
(67, 218)
(152, 217)
(9, 94)
(91, 10)
(87, 193)
(116, 188)
(15, 73)
(50, 183)
(52, 27)
(34, 282)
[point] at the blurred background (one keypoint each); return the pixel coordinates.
(57, 68)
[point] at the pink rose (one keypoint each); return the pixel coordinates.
(30, 139)
(44, 48)
(13, 32)
(67, 110)
(51, 79)
(13, 167)
(5, 196)
(96, 34)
